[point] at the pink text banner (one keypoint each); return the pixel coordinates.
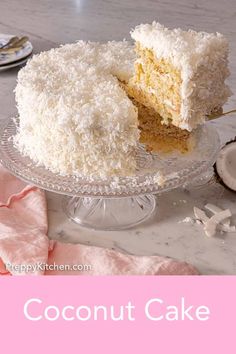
(117, 315)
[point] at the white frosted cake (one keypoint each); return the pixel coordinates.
(84, 107)
(74, 116)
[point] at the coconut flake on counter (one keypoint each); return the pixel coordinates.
(219, 221)
(215, 209)
(212, 224)
(200, 215)
(188, 219)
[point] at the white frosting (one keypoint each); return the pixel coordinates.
(74, 116)
(202, 59)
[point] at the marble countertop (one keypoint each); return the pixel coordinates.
(49, 23)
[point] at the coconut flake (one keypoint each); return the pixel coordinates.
(228, 228)
(200, 215)
(188, 219)
(212, 224)
(216, 221)
(215, 209)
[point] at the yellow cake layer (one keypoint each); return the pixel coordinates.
(154, 133)
(157, 84)
(158, 136)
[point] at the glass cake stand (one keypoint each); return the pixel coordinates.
(117, 203)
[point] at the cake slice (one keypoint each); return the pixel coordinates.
(179, 74)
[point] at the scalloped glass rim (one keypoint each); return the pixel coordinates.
(176, 168)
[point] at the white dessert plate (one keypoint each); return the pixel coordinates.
(21, 54)
(14, 64)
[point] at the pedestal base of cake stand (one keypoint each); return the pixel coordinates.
(109, 213)
(121, 212)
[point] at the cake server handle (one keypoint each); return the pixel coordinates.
(218, 115)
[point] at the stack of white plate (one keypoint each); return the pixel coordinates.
(11, 60)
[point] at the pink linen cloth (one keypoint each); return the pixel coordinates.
(25, 247)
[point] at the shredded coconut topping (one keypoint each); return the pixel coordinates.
(74, 116)
(202, 59)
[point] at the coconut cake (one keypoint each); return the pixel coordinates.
(85, 107)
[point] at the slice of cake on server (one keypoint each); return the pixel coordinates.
(180, 75)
